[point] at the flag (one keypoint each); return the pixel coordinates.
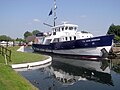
(50, 12)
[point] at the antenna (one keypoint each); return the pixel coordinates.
(47, 24)
(55, 12)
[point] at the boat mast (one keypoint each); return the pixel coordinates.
(55, 12)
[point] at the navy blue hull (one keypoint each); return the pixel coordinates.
(78, 44)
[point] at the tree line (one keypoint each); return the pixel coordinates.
(5, 38)
(115, 30)
(26, 34)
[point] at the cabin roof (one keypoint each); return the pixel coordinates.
(64, 25)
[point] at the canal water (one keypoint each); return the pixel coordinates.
(65, 73)
(74, 74)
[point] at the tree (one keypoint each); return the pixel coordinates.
(34, 32)
(5, 38)
(115, 29)
(117, 38)
(111, 29)
(20, 39)
(26, 34)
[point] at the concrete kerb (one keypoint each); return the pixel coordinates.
(32, 64)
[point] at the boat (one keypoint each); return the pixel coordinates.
(65, 39)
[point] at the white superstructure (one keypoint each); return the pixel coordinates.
(65, 32)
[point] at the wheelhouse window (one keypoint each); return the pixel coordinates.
(62, 28)
(70, 28)
(75, 28)
(66, 28)
(70, 38)
(74, 37)
(58, 29)
(54, 33)
(48, 41)
(66, 38)
(56, 40)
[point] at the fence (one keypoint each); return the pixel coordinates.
(6, 53)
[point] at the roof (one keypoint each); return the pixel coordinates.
(66, 24)
(30, 38)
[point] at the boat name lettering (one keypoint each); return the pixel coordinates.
(87, 40)
(97, 39)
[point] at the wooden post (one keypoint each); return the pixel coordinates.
(6, 51)
(0, 49)
(7, 43)
(3, 50)
(5, 59)
(10, 55)
(13, 43)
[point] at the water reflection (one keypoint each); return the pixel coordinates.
(70, 74)
(115, 65)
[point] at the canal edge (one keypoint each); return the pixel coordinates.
(32, 64)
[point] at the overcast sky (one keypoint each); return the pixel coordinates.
(95, 16)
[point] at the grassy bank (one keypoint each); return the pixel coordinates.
(11, 80)
(24, 57)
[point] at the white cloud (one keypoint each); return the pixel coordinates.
(36, 20)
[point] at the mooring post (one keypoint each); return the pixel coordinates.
(0, 49)
(7, 43)
(9, 55)
(13, 43)
(5, 59)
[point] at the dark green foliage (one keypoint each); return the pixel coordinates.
(115, 29)
(26, 34)
(5, 38)
(20, 39)
(117, 38)
(35, 32)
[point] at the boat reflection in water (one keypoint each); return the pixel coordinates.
(68, 74)
(75, 74)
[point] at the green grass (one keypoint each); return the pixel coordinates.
(2, 59)
(24, 57)
(11, 80)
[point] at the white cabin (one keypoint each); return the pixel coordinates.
(65, 32)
